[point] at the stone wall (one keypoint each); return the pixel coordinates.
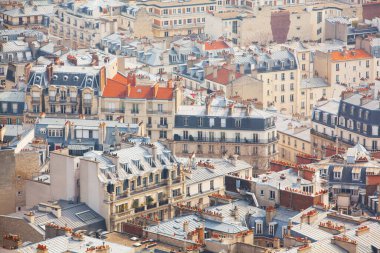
(18, 226)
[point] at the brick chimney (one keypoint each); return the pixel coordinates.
(11, 241)
(361, 230)
(155, 89)
(347, 93)
(270, 212)
(42, 248)
(186, 226)
(365, 99)
(345, 243)
(49, 71)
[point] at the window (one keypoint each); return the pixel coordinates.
(200, 122)
(212, 122)
(237, 150)
(160, 107)
(185, 149)
(337, 174)
(337, 67)
(223, 122)
(177, 192)
(259, 227)
(188, 191)
(186, 121)
(222, 136)
(163, 134)
(200, 188)
(238, 123)
(14, 108)
(319, 17)
(261, 192)
(272, 195)
(163, 121)
(211, 149)
(212, 185)
(185, 135)
(355, 176)
(282, 76)
(165, 12)
(135, 108)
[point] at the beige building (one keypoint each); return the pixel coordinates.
(293, 138)
(20, 162)
(152, 105)
(223, 128)
(347, 67)
(172, 18)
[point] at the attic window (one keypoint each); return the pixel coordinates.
(89, 80)
(76, 78)
(55, 77)
(65, 78)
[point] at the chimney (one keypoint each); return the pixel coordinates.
(365, 99)
(128, 89)
(27, 71)
(42, 248)
(215, 72)
(208, 104)
(11, 241)
(347, 93)
(241, 69)
(56, 210)
(361, 230)
(231, 76)
(234, 159)
(30, 217)
(49, 71)
(154, 152)
(270, 212)
(155, 87)
(170, 84)
(2, 132)
(345, 243)
(95, 60)
(186, 226)
(231, 109)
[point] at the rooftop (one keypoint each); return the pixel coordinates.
(349, 55)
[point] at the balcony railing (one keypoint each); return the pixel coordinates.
(151, 206)
(162, 126)
(36, 99)
(112, 110)
(226, 140)
(161, 112)
(325, 136)
(87, 101)
(163, 202)
(140, 209)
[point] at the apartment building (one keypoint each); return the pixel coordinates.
(70, 86)
(347, 67)
(312, 91)
(81, 135)
(83, 24)
(347, 175)
(372, 46)
(18, 48)
(172, 18)
(279, 74)
(293, 138)
(222, 127)
(154, 106)
(12, 107)
(28, 16)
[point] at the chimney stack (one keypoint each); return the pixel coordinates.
(186, 226)
(270, 212)
(215, 72)
(2, 132)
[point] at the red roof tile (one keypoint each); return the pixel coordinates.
(354, 54)
(216, 45)
(119, 87)
(222, 76)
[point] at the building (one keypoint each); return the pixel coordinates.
(70, 86)
(38, 223)
(324, 128)
(178, 18)
(221, 127)
(76, 242)
(18, 48)
(12, 107)
(21, 158)
(293, 138)
(347, 176)
(28, 16)
(372, 46)
(280, 78)
(154, 106)
(81, 135)
(346, 67)
(313, 90)
(341, 28)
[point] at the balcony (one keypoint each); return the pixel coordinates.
(163, 202)
(162, 126)
(322, 135)
(36, 100)
(87, 101)
(226, 140)
(135, 111)
(151, 206)
(112, 110)
(140, 209)
(159, 112)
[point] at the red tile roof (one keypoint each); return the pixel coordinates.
(222, 76)
(120, 87)
(216, 45)
(354, 54)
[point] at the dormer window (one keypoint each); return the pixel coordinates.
(272, 229)
(356, 174)
(76, 78)
(259, 227)
(65, 78)
(55, 77)
(338, 172)
(126, 168)
(89, 81)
